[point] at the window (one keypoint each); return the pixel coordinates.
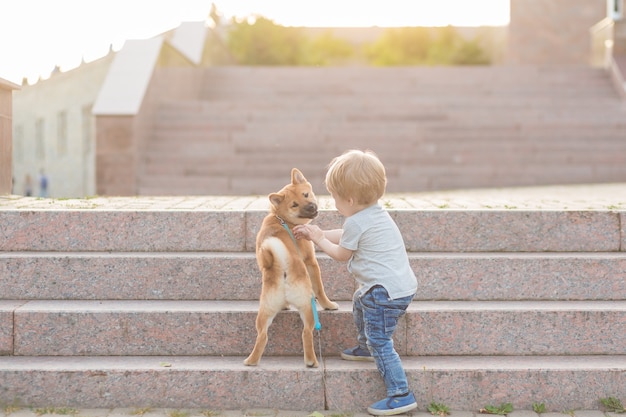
(40, 145)
(18, 144)
(614, 8)
(62, 133)
(86, 127)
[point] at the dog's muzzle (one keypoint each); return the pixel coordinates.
(309, 211)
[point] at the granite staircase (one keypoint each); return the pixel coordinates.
(137, 302)
(434, 128)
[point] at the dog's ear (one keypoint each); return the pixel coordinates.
(276, 198)
(297, 177)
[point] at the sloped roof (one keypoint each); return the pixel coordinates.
(8, 85)
(189, 39)
(129, 75)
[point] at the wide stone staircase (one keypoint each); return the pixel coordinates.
(240, 128)
(151, 302)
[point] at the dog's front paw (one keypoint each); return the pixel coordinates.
(331, 306)
(250, 362)
(312, 364)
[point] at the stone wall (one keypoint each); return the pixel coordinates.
(53, 130)
(552, 31)
(6, 136)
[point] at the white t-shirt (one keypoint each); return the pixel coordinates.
(379, 256)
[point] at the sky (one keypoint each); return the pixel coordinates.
(37, 35)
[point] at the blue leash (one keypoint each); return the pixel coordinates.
(318, 325)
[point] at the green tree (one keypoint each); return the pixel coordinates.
(443, 46)
(326, 50)
(470, 53)
(425, 46)
(400, 46)
(450, 48)
(259, 41)
(262, 42)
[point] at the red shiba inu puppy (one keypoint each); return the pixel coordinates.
(289, 268)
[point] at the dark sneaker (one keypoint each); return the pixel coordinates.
(393, 405)
(357, 354)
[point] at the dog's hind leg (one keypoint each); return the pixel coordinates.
(306, 314)
(315, 276)
(263, 321)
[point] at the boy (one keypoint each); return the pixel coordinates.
(371, 243)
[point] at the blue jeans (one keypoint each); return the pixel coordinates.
(376, 318)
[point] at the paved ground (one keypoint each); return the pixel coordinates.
(144, 412)
(572, 197)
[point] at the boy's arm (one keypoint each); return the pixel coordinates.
(333, 250)
(324, 240)
(333, 235)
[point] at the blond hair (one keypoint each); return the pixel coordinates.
(358, 175)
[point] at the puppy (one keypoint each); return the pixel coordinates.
(289, 269)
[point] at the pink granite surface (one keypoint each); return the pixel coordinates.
(585, 218)
(449, 231)
(235, 276)
(168, 328)
(520, 276)
(516, 328)
(142, 276)
(471, 382)
(173, 382)
(103, 280)
(509, 231)
(622, 218)
(460, 382)
(142, 231)
(6, 325)
(228, 328)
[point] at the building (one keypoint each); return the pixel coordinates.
(6, 115)
(54, 123)
(85, 128)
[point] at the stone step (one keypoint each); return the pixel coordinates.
(258, 80)
(222, 328)
(565, 156)
(420, 146)
(235, 276)
(530, 304)
(232, 112)
(418, 143)
(438, 161)
(564, 124)
(342, 121)
(224, 383)
(448, 178)
(71, 226)
(444, 126)
(229, 108)
(530, 113)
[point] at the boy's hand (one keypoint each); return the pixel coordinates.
(308, 232)
(301, 232)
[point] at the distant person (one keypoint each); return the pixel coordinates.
(43, 184)
(28, 186)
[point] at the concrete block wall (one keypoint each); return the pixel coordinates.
(552, 32)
